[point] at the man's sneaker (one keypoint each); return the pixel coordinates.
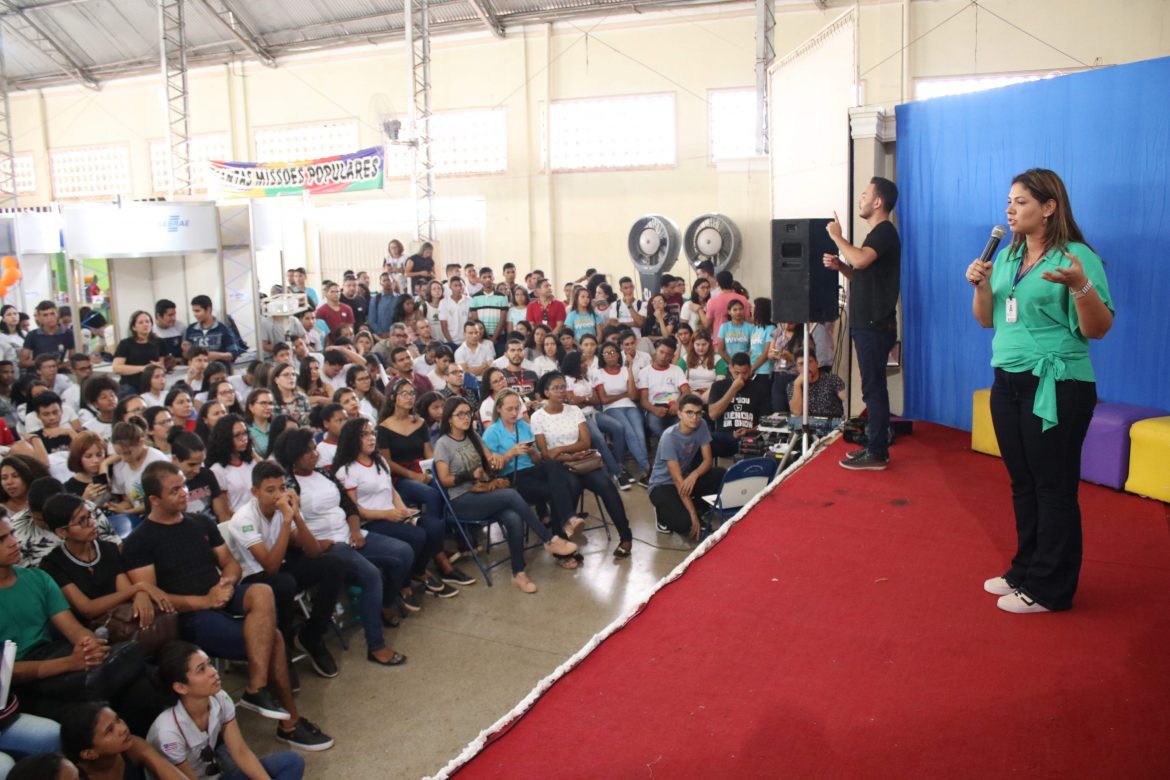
(263, 703)
(457, 577)
(1019, 603)
(319, 656)
(432, 583)
(410, 603)
(624, 480)
(855, 454)
(866, 462)
(998, 586)
(661, 528)
(644, 479)
(446, 592)
(306, 736)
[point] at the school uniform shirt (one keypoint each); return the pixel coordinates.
(371, 483)
(325, 452)
(641, 360)
(663, 385)
(177, 737)
(581, 389)
(613, 384)
(321, 507)
(236, 481)
(621, 312)
(125, 481)
(247, 528)
(455, 313)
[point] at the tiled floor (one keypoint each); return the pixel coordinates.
(471, 658)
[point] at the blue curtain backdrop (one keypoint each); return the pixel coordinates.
(1107, 133)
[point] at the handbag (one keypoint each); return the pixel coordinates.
(589, 462)
(123, 627)
(492, 484)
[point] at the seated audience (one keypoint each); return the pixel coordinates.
(132, 456)
(615, 388)
(737, 405)
(102, 746)
(204, 495)
(683, 472)
(31, 530)
(660, 385)
(231, 457)
(826, 390)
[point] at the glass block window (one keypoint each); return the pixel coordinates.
(731, 123)
(611, 133)
(91, 171)
(25, 172)
(306, 142)
(215, 146)
(468, 141)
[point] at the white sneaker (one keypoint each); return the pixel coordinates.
(998, 586)
(1020, 604)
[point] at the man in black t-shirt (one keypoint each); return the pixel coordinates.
(874, 271)
(519, 379)
(49, 339)
(185, 556)
(351, 296)
(736, 404)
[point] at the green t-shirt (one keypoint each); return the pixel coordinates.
(25, 609)
(1046, 339)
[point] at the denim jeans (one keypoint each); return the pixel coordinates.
(657, 425)
(379, 568)
(1045, 471)
(613, 456)
(511, 511)
(325, 576)
(285, 765)
(421, 537)
(873, 352)
(635, 433)
(29, 735)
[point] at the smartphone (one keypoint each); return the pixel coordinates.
(412, 518)
(101, 479)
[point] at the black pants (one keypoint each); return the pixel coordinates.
(724, 444)
(873, 352)
(601, 484)
(300, 572)
(671, 511)
(1045, 471)
(543, 485)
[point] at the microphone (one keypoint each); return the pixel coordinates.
(997, 234)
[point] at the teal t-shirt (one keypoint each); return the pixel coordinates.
(499, 440)
(760, 340)
(736, 338)
(1046, 339)
(25, 609)
(582, 323)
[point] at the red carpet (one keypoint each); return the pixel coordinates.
(841, 630)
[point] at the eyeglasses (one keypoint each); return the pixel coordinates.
(83, 521)
(210, 761)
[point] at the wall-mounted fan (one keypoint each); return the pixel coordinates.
(712, 237)
(653, 244)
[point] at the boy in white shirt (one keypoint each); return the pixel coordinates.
(474, 355)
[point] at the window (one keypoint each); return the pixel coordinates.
(924, 89)
(25, 172)
(90, 171)
(462, 142)
(610, 133)
(216, 146)
(731, 123)
(306, 142)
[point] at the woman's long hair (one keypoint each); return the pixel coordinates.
(304, 383)
(373, 396)
(349, 446)
(762, 312)
(1060, 229)
(221, 440)
(693, 359)
(289, 446)
(571, 365)
(15, 331)
(500, 402)
(695, 297)
(147, 377)
(453, 404)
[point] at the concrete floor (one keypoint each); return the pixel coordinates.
(471, 658)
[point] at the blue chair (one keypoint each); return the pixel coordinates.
(741, 483)
(461, 525)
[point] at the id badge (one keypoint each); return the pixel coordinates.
(1013, 310)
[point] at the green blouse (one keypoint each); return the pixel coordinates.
(1046, 339)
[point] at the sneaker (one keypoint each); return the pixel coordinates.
(410, 603)
(855, 454)
(263, 703)
(432, 583)
(866, 462)
(661, 528)
(446, 592)
(644, 479)
(998, 586)
(319, 656)
(1019, 603)
(306, 736)
(457, 577)
(624, 480)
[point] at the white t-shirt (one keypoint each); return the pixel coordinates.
(664, 385)
(483, 354)
(486, 408)
(560, 430)
(177, 737)
(612, 384)
(337, 381)
(321, 508)
(525, 364)
(325, 453)
(150, 399)
(641, 360)
(581, 388)
(248, 527)
(125, 481)
(620, 312)
(90, 422)
(236, 481)
(32, 423)
(373, 486)
(700, 378)
(455, 314)
(543, 364)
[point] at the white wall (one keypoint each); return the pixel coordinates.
(567, 221)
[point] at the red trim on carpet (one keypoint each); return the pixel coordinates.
(841, 630)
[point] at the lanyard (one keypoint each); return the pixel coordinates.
(1021, 273)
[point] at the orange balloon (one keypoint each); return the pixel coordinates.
(3, 290)
(19, 275)
(9, 277)
(9, 262)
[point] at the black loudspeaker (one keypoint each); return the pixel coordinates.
(803, 290)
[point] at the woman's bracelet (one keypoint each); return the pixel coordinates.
(1081, 293)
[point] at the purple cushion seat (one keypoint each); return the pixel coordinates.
(1105, 457)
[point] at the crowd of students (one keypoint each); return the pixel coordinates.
(202, 501)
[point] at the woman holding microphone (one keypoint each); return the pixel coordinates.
(1046, 296)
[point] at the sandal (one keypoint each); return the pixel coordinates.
(575, 524)
(560, 546)
(568, 561)
(522, 582)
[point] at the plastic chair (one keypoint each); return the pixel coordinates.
(742, 482)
